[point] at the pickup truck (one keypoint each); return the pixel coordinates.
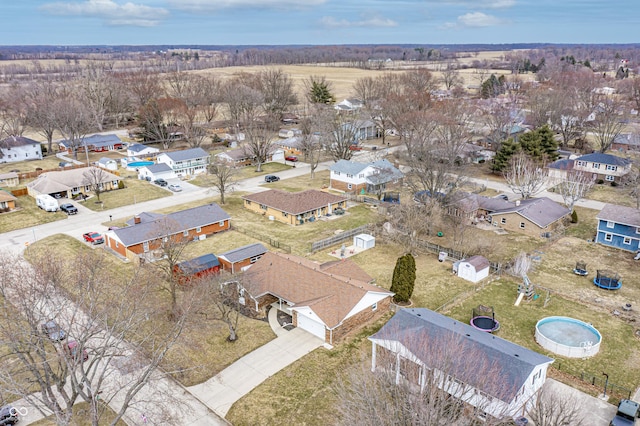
(626, 415)
(93, 238)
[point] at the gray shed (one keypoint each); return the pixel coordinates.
(364, 241)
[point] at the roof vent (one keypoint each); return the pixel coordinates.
(468, 335)
(517, 355)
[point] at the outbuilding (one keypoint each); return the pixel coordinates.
(198, 267)
(473, 269)
(364, 241)
(107, 163)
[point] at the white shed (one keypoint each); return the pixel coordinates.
(364, 241)
(472, 269)
(107, 163)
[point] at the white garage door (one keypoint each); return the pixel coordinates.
(312, 326)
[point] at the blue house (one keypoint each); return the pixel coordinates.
(619, 227)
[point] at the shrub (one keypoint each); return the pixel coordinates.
(600, 182)
(404, 277)
(614, 183)
(120, 184)
(574, 217)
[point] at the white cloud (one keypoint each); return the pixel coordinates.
(478, 19)
(114, 13)
(213, 5)
(484, 4)
(376, 22)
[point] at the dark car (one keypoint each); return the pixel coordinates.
(9, 415)
(68, 208)
(291, 158)
(161, 182)
(72, 348)
(53, 330)
(64, 164)
(93, 237)
(271, 178)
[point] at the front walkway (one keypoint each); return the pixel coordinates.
(221, 391)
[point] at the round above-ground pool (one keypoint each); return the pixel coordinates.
(568, 337)
(484, 323)
(140, 163)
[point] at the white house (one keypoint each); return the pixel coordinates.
(289, 133)
(187, 162)
(349, 105)
(474, 268)
(107, 163)
(156, 171)
(141, 151)
(19, 148)
(607, 167)
(371, 177)
(493, 375)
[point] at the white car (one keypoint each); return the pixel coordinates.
(175, 187)
(637, 256)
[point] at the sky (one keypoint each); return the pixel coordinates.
(316, 22)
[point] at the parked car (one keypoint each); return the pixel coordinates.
(175, 187)
(69, 208)
(64, 164)
(93, 237)
(271, 178)
(355, 147)
(71, 349)
(53, 330)
(291, 158)
(9, 415)
(160, 182)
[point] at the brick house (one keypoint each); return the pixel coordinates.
(238, 259)
(374, 177)
(19, 148)
(198, 267)
(320, 300)
(496, 377)
(294, 208)
(7, 201)
(147, 231)
(94, 143)
(535, 217)
(619, 227)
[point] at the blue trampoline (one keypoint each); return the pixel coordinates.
(608, 280)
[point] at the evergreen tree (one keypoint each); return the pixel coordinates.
(319, 93)
(501, 160)
(404, 277)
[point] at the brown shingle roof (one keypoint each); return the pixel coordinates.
(346, 268)
(294, 202)
(302, 282)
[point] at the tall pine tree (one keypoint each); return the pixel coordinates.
(404, 278)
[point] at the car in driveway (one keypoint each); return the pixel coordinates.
(291, 158)
(175, 187)
(69, 208)
(72, 348)
(271, 178)
(53, 331)
(93, 237)
(355, 147)
(160, 182)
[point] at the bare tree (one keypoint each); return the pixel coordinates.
(243, 103)
(223, 177)
(96, 178)
(51, 374)
(225, 293)
(632, 181)
(409, 223)
(143, 86)
(524, 176)
(574, 187)
(449, 76)
(96, 90)
(74, 122)
(41, 114)
(259, 145)
(341, 132)
(276, 87)
(366, 90)
(312, 139)
(556, 408)
(608, 123)
(13, 111)
(158, 119)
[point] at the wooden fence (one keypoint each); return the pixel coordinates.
(264, 238)
(343, 236)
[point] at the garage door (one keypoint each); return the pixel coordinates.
(310, 325)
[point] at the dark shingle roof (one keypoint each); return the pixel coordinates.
(598, 157)
(294, 202)
(428, 335)
(16, 141)
(199, 264)
(172, 223)
(620, 214)
(564, 164)
(244, 252)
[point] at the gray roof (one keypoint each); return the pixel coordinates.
(187, 154)
(542, 211)
(172, 223)
(16, 141)
(348, 167)
(388, 171)
(138, 147)
(478, 262)
(563, 164)
(98, 140)
(106, 160)
(428, 335)
(144, 217)
(598, 157)
(158, 167)
(244, 252)
(620, 214)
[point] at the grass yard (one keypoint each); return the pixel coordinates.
(82, 413)
(27, 215)
(135, 191)
(612, 194)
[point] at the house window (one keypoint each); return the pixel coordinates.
(503, 220)
(349, 176)
(374, 307)
(349, 186)
(247, 202)
(221, 223)
(361, 175)
(627, 240)
(521, 225)
(610, 224)
(263, 207)
(637, 230)
(145, 246)
(185, 232)
(581, 163)
(608, 237)
(609, 178)
(285, 214)
(612, 168)
(595, 165)
(337, 173)
(198, 229)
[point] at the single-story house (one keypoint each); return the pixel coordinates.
(69, 183)
(288, 133)
(535, 217)
(7, 201)
(142, 151)
(349, 105)
(148, 232)
(156, 171)
(241, 258)
(9, 179)
(495, 376)
(474, 268)
(19, 148)
(626, 142)
(94, 143)
(187, 162)
(238, 157)
(294, 208)
(607, 167)
(326, 302)
(619, 227)
(199, 267)
(107, 163)
(291, 146)
(373, 177)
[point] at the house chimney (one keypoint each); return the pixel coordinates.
(136, 219)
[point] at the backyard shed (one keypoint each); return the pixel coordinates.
(364, 241)
(472, 269)
(198, 267)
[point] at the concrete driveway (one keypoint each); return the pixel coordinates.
(221, 391)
